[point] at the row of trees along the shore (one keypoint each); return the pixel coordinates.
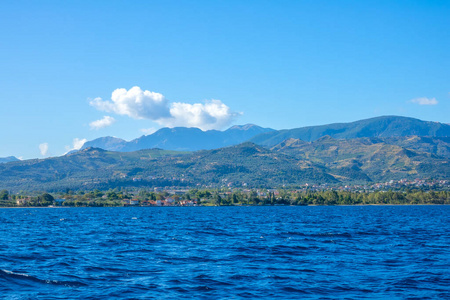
(11, 200)
(225, 197)
(283, 197)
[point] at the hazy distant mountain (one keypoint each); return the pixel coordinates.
(193, 139)
(181, 139)
(8, 159)
(386, 126)
(107, 143)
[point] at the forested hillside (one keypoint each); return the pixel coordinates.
(290, 163)
(385, 126)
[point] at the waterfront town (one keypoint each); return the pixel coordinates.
(392, 192)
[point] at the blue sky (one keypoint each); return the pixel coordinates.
(212, 64)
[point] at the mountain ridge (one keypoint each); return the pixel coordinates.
(193, 139)
(383, 126)
(291, 163)
(370, 159)
(181, 139)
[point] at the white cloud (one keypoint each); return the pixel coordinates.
(211, 115)
(148, 131)
(102, 123)
(139, 104)
(76, 145)
(135, 103)
(425, 101)
(43, 148)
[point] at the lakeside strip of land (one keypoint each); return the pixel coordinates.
(195, 197)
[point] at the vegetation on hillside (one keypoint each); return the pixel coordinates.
(382, 127)
(289, 164)
(373, 159)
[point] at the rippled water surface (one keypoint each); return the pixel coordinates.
(225, 252)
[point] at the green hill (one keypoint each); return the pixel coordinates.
(291, 163)
(86, 169)
(242, 165)
(386, 126)
(369, 159)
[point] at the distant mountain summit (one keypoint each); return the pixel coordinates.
(8, 159)
(181, 139)
(385, 126)
(106, 143)
(193, 139)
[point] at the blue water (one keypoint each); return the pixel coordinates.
(225, 252)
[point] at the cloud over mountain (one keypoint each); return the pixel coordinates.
(143, 104)
(76, 144)
(43, 148)
(211, 115)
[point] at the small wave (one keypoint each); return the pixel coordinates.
(202, 288)
(247, 294)
(215, 232)
(292, 233)
(307, 271)
(320, 234)
(240, 277)
(179, 289)
(331, 234)
(291, 289)
(204, 279)
(25, 279)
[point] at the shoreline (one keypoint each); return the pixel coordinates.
(312, 205)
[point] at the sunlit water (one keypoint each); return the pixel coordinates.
(225, 252)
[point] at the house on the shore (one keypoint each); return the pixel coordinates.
(23, 201)
(130, 202)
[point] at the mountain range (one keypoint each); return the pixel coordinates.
(367, 151)
(385, 126)
(181, 139)
(193, 139)
(290, 163)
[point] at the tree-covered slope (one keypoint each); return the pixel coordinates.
(386, 126)
(243, 165)
(252, 165)
(368, 159)
(435, 145)
(88, 168)
(292, 162)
